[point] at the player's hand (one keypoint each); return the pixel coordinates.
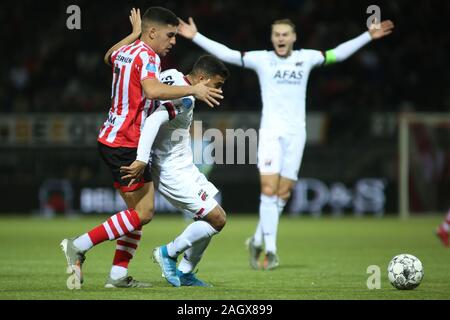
(207, 94)
(133, 171)
(380, 30)
(135, 20)
(187, 30)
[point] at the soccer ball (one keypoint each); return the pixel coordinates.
(405, 272)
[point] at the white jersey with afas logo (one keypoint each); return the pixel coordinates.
(283, 83)
(173, 170)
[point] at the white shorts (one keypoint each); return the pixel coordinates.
(186, 189)
(280, 154)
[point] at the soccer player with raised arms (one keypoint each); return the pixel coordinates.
(166, 134)
(283, 75)
(136, 67)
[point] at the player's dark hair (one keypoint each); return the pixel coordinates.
(159, 15)
(210, 66)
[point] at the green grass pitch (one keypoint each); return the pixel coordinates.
(320, 259)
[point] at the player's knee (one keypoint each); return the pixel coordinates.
(145, 214)
(284, 194)
(217, 219)
(268, 190)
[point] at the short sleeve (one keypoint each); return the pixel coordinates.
(150, 66)
(113, 56)
(177, 106)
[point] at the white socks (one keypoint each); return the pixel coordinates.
(118, 272)
(281, 204)
(266, 209)
(83, 242)
(258, 237)
(196, 231)
(193, 255)
(268, 214)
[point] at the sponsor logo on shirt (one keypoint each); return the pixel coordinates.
(288, 75)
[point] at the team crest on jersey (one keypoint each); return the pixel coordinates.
(150, 67)
(299, 64)
(203, 195)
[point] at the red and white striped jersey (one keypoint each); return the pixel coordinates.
(132, 64)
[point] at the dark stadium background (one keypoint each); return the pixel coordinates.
(48, 70)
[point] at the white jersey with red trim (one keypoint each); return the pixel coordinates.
(172, 145)
(132, 64)
(173, 170)
(283, 83)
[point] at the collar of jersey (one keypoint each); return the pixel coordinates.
(145, 45)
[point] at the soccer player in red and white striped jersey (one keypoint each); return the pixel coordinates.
(135, 64)
(443, 230)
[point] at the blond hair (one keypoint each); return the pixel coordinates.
(284, 21)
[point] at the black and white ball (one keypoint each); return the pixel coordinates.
(405, 272)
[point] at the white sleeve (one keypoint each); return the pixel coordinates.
(253, 59)
(149, 132)
(219, 50)
(316, 57)
(176, 106)
(346, 49)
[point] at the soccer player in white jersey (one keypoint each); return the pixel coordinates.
(136, 66)
(283, 75)
(175, 175)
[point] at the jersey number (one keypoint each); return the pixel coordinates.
(168, 80)
(118, 72)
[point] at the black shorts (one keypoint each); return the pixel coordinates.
(117, 157)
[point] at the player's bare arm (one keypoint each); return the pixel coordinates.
(149, 132)
(346, 49)
(134, 171)
(135, 20)
(154, 89)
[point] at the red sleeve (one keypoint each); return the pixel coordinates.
(113, 56)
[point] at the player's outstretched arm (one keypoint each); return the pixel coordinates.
(189, 31)
(135, 20)
(346, 49)
(156, 90)
(148, 135)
